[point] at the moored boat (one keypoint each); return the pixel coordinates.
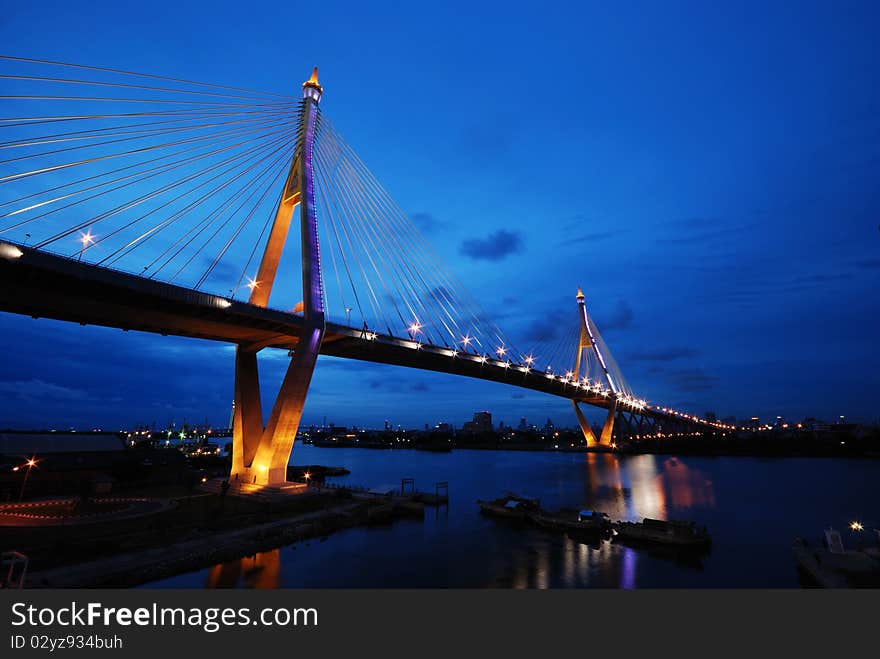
(511, 506)
(569, 520)
(831, 565)
(672, 532)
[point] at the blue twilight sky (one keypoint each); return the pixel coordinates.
(707, 172)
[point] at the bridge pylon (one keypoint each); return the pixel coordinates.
(260, 453)
(586, 341)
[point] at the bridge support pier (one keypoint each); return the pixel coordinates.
(589, 436)
(260, 454)
(247, 419)
(608, 428)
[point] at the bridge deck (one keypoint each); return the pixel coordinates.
(41, 284)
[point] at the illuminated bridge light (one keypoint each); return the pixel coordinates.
(529, 360)
(465, 340)
(87, 238)
(483, 359)
(252, 283)
(501, 350)
(454, 353)
(415, 328)
(8, 251)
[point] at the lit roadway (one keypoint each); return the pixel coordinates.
(43, 285)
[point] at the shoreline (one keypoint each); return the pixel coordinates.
(692, 451)
(136, 568)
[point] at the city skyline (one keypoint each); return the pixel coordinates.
(737, 278)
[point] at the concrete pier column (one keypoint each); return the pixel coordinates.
(584, 424)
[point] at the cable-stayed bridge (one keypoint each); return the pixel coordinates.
(151, 203)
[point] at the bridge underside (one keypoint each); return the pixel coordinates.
(39, 284)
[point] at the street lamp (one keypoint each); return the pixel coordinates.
(30, 464)
(86, 239)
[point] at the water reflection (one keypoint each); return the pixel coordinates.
(262, 570)
(457, 547)
(648, 496)
(631, 488)
(628, 572)
(686, 487)
(554, 561)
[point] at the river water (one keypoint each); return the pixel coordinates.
(753, 508)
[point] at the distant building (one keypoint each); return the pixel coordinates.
(482, 422)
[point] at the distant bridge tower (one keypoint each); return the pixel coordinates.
(588, 342)
(260, 454)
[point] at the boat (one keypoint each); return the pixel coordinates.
(510, 506)
(671, 532)
(571, 521)
(831, 565)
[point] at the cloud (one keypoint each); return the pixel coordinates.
(695, 379)
(702, 230)
(663, 354)
(588, 237)
(36, 389)
(549, 324)
(583, 229)
(222, 274)
(622, 317)
(554, 321)
(426, 222)
(495, 247)
(397, 383)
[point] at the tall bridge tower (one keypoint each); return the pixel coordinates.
(260, 454)
(587, 342)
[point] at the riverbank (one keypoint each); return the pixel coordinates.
(207, 549)
(188, 532)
